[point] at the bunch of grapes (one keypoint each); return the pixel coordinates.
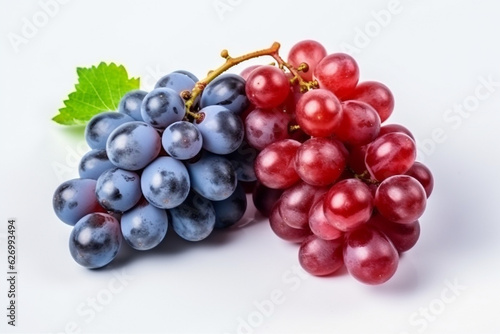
(332, 177)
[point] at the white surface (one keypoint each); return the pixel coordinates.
(433, 55)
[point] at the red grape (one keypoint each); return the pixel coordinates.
(321, 257)
(264, 198)
(263, 127)
(377, 95)
(283, 230)
(267, 87)
(359, 125)
(395, 128)
(400, 199)
(339, 73)
(356, 159)
(246, 72)
(309, 52)
(403, 236)
(423, 175)
(318, 113)
(318, 223)
(370, 256)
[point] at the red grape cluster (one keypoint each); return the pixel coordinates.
(330, 176)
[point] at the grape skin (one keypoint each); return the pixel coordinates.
(162, 107)
(230, 210)
(99, 128)
(93, 164)
(118, 190)
(227, 90)
(130, 104)
(176, 81)
(320, 257)
(182, 140)
(267, 87)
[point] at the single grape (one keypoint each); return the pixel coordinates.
(320, 161)
(176, 81)
(189, 74)
(74, 199)
(402, 236)
(339, 73)
(118, 190)
(309, 52)
(267, 87)
(395, 128)
(144, 226)
(243, 160)
(359, 125)
(165, 182)
(194, 219)
(348, 204)
(423, 175)
(318, 113)
(222, 130)
(95, 240)
(246, 72)
(93, 164)
(400, 199)
(369, 255)
(321, 257)
(319, 225)
(130, 104)
(162, 107)
(275, 165)
(376, 95)
(285, 231)
(182, 140)
(264, 198)
(266, 126)
(133, 145)
(227, 90)
(356, 159)
(391, 154)
(100, 127)
(230, 210)
(213, 176)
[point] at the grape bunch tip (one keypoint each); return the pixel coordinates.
(304, 136)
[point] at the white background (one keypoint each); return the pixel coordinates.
(434, 55)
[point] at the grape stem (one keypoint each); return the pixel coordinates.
(272, 51)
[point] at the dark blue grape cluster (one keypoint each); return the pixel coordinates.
(153, 166)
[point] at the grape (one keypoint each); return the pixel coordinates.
(93, 164)
(74, 199)
(356, 159)
(377, 95)
(264, 198)
(423, 175)
(230, 210)
(403, 236)
(395, 128)
(222, 130)
(227, 90)
(339, 73)
(213, 177)
(320, 161)
(267, 87)
(246, 72)
(348, 204)
(95, 240)
(318, 223)
(359, 125)
(285, 231)
(400, 199)
(320, 257)
(318, 113)
(274, 165)
(165, 182)
(264, 127)
(295, 203)
(100, 127)
(162, 107)
(130, 104)
(118, 190)
(133, 145)
(144, 226)
(182, 140)
(309, 52)
(243, 160)
(369, 255)
(194, 219)
(176, 81)
(189, 74)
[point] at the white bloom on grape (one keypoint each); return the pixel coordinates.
(108, 187)
(121, 142)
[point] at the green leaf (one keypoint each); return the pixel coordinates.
(99, 89)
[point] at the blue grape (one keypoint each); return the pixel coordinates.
(213, 177)
(133, 145)
(130, 104)
(118, 190)
(165, 182)
(229, 211)
(227, 90)
(93, 164)
(194, 219)
(74, 199)
(95, 240)
(176, 81)
(222, 130)
(189, 74)
(182, 140)
(144, 226)
(100, 127)
(243, 160)
(162, 107)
